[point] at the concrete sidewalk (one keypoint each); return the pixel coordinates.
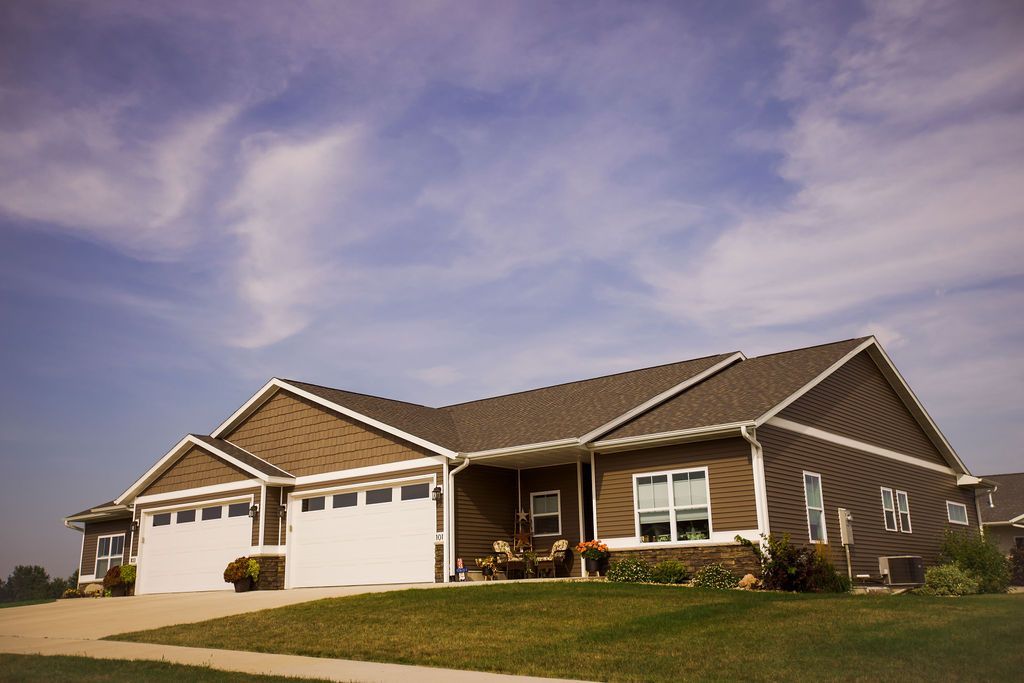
(256, 662)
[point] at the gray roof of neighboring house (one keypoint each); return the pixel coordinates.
(242, 455)
(1008, 498)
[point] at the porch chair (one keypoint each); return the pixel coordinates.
(507, 560)
(550, 562)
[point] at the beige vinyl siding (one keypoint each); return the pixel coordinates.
(859, 403)
(194, 469)
(561, 478)
(730, 482)
(93, 530)
(437, 471)
(304, 438)
(197, 501)
(853, 480)
(485, 505)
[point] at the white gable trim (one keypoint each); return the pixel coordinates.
(661, 398)
(275, 384)
(179, 450)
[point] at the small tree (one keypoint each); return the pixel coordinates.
(27, 582)
(978, 556)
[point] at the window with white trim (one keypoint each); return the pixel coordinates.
(956, 513)
(546, 513)
(815, 502)
(672, 506)
(109, 553)
(889, 509)
(903, 507)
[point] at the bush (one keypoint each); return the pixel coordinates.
(786, 567)
(670, 571)
(979, 556)
(1017, 566)
(714, 576)
(629, 570)
(112, 577)
(948, 579)
(72, 593)
(240, 568)
(128, 574)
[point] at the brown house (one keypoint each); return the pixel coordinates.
(330, 487)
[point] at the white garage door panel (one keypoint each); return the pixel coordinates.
(191, 557)
(364, 544)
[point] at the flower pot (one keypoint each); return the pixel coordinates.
(244, 585)
(592, 565)
(487, 571)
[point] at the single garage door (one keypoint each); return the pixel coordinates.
(187, 550)
(379, 534)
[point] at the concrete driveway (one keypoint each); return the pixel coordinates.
(93, 618)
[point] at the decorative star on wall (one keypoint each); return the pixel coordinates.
(522, 515)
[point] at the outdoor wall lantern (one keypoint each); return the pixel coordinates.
(436, 493)
(135, 525)
(282, 509)
(254, 510)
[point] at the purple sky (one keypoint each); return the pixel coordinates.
(438, 202)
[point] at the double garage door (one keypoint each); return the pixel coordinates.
(187, 549)
(377, 534)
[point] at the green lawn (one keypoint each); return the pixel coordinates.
(27, 602)
(641, 633)
(83, 669)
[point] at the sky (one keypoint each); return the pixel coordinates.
(438, 202)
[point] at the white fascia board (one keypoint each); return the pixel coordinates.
(524, 449)
(184, 495)
(342, 475)
(665, 438)
(779, 407)
(275, 384)
(661, 398)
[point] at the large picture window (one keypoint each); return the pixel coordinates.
(672, 506)
(545, 509)
(109, 553)
(815, 502)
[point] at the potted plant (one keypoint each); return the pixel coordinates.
(244, 572)
(128, 578)
(486, 565)
(594, 553)
(113, 583)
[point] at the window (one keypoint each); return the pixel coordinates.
(415, 491)
(212, 513)
(956, 512)
(673, 506)
(889, 510)
(313, 504)
(238, 509)
(163, 519)
(109, 552)
(545, 509)
(345, 500)
(378, 496)
(904, 509)
(815, 501)
(186, 516)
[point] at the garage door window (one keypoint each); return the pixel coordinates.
(313, 504)
(378, 496)
(109, 550)
(345, 500)
(212, 513)
(415, 491)
(238, 510)
(186, 516)
(162, 519)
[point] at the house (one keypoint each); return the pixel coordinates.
(331, 487)
(1002, 512)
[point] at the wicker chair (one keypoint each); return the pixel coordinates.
(550, 562)
(508, 562)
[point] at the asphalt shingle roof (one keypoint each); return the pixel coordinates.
(1008, 498)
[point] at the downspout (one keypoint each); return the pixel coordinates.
(81, 548)
(449, 497)
(757, 465)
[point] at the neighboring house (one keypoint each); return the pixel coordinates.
(330, 487)
(1002, 513)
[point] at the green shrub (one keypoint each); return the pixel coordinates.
(670, 571)
(949, 579)
(128, 574)
(979, 556)
(1017, 566)
(72, 593)
(786, 567)
(714, 576)
(629, 570)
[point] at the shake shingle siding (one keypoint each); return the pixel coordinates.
(194, 469)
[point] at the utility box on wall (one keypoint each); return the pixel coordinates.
(846, 526)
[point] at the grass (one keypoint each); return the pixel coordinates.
(623, 632)
(47, 669)
(22, 603)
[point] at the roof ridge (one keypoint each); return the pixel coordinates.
(813, 346)
(586, 379)
(357, 393)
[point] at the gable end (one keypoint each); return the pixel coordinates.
(195, 468)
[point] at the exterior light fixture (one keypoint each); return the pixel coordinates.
(254, 510)
(282, 510)
(436, 493)
(135, 525)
